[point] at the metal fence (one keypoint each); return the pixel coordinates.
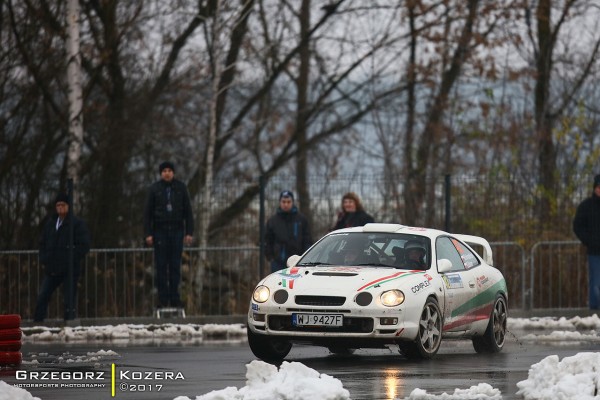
(120, 282)
(559, 275)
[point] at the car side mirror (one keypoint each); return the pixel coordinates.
(444, 265)
(292, 261)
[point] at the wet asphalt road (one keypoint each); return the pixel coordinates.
(207, 366)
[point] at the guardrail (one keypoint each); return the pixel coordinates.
(120, 282)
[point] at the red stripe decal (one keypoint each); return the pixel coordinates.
(380, 279)
(475, 315)
(383, 279)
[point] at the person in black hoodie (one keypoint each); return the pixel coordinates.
(352, 213)
(586, 226)
(54, 256)
(287, 233)
(168, 224)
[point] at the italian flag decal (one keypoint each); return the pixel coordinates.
(289, 276)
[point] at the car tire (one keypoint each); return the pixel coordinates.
(494, 336)
(10, 321)
(268, 348)
(429, 337)
(341, 351)
(10, 345)
(10, 334)
(10, 358)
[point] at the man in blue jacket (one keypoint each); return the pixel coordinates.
(586, 226)
(168, 224)
(287, 233)
(54, 256)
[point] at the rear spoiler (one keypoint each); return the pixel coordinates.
(476, 240)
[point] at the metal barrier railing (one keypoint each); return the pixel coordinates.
(120, 282)
(558, 275)
(510, 259)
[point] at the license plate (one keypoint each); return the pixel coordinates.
(317, 319)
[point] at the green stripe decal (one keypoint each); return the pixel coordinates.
(487, 296)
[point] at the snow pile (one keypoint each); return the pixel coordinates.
(564, 336)
(576, 377)
(133, 331)
(293, 381)
(9, 392)
(591, 322)
(483, 391)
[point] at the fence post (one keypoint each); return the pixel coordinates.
(448, 199)
(532, 273)
(261, 226)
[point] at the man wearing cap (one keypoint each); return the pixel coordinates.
(586, 226)
(287, 233)
(168, 224)
(54, 256)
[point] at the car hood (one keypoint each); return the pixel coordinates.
(343, 278)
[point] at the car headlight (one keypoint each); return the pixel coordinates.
(261, 294)
(392, 298)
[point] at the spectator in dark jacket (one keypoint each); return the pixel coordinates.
(55, 254)
(586, 226)
(352, 213)
(287, 233)
(168, 224)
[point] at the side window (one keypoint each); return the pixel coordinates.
(445, 249)
(469, 259)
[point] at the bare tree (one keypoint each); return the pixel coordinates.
(549, 106)
(433, 131)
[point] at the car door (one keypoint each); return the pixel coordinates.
(460, 284)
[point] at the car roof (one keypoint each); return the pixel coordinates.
(427, 232)
(393, 228)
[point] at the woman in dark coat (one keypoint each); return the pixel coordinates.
(352, 213)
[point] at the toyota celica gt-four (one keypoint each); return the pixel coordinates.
(381, 285)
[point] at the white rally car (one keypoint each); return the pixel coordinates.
(381, 285)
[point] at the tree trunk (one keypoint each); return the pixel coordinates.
(547, 150)
(409, 199)
(434, 126)
(75, 94)
(302, 113)
(205, 209)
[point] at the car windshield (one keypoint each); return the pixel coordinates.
(392, 250)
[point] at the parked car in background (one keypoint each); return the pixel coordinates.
(381, 285)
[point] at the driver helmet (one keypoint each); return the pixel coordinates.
(415, 245)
